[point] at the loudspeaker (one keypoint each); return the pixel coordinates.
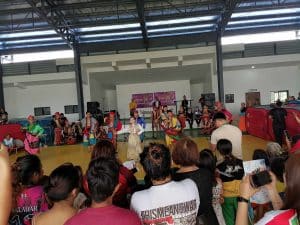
(93, 107)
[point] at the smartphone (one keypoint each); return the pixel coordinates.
(260, 179)
(286, 133)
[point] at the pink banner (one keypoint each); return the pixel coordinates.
(166, 98)
(143, 100)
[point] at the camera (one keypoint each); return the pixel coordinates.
(260, 179)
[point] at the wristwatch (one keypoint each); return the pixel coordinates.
(242, 199)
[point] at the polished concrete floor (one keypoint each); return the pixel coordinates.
(79, 155)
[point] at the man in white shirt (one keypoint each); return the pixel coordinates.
(229, 132)
(167, 201)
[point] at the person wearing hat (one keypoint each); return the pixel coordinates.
(32, 137)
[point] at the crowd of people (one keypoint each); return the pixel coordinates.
(182, 185)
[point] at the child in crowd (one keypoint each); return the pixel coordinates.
(8, 141)
(28, 195)
(231, 173)
(134, 141)
(61, 190)
(207, 160)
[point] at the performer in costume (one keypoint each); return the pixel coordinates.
(134, 142)
(156, 105)
(172, 129)
(114, 125)
(89, 125)
(242, 121)
(132, 106)
(181, 117)
(140, 121)
(32, 137)
(57, 129)
(219, 107)
(206, 120)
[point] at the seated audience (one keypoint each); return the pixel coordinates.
(3, 116)
(28, 195)
(231, 173)
(103, 179)
(186, 155)
(5, 186)
(286, 212)
(127, 181)
(277, 167)
(273, 150)
(261, 154)
(8, 141)
(167, 201)
(61, 190)
(81, 201)
(208, 161)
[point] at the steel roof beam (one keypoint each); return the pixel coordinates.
(56, 20)
(140, 7)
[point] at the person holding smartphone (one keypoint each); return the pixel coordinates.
(284, 212)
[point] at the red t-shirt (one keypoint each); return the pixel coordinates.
(280, 217)
(109, 215)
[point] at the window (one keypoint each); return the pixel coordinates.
(70, 109)
(281, 95)
(42, 111)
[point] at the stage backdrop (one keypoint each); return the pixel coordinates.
(145, 100)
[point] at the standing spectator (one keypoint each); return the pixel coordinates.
(186, 155)
(103, 179)
(231, 173)
(227, 131)
(185, 104)
(5, 186)
(132, 106)
(28, 195)
(61, 190)
(278, 115)
(167, 201)
(190, 117)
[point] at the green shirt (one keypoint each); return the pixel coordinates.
(35, 129)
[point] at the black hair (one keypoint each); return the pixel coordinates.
(156, 161)
(261, 154)
(278, 103)
(207, 160)
(224, 146)
(278, 167)
(219, 116)
(295, 139)
(169, 111)
(102, 178)
(62, 181)
(23, 171)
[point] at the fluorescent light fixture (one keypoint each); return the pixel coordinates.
(265, 12)
(110, 34)
(253, 67)
(28, 34)
(180, 33)
(111, 39)
(264, 20)
(109, 27)
(39, 56)
(179, 28)
(33, 40)
(259, 38)
(262, 25)
(182, 20)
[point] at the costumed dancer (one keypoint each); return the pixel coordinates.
(206, 120)
(114, 125)
(132, 106)
(140, 121)
(32, 136)
(89, 125)
(181, 117)
(242, 122)
(172, 129)
(57, 129)
(156, 105)
(219, 107)
(134, 141)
